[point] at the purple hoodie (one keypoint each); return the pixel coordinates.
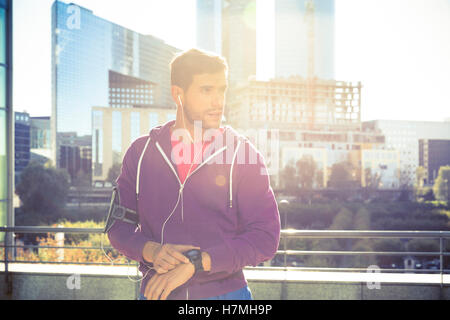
(233, 217)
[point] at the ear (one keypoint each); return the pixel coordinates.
(177, 95)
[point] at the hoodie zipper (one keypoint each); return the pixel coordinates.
(183, 184)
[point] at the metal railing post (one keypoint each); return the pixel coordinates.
(8, 281)
(283, 294)
(441, 259)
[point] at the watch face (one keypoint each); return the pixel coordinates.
(193, 254)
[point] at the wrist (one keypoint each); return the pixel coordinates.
(195, 258)
(148, 251)
(206, 261)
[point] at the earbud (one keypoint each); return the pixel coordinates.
(179, 99)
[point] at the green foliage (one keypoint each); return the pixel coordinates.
(423, 245)
(76, 238)
(441, 186)
(362, 261)
(367, 216)
(343, 220)
(421, 175)
(306, 169)
(362, 219)
(43, 190)
(316, 216)
(389, 245)
(114, 172)
(319, 179)
(324, 261)
(341, 175)
(372, 180)
(288, 178)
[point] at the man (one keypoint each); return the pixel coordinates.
(202, 193)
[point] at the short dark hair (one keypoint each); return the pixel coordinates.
(194, 61)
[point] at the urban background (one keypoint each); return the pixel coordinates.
(111, 84)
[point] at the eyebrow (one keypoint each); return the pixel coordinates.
(209, 87)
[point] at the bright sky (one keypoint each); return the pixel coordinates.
(398, 49)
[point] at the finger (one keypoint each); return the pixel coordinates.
(161, 270)
(171, 260)
(184, 247)
(149, 285)
(179, 256)
(162, 264)
(159, 288)
(152, 287)
(167, 290)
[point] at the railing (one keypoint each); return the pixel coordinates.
(285, 235)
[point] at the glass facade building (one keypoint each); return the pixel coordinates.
(239, 39)
(88, 54)
(291, 39)
(40, 134)
(209, 25)
(21, 143)
(6, 117)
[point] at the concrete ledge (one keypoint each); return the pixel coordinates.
(59, 282)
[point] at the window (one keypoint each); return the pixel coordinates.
(117, 131)
(135, 125)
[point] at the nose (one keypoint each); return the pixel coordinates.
(218, 100)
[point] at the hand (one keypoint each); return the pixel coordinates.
(166, 257)
(161, 285)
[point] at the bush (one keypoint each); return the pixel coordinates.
(83, 241)
(43, 190)
(386, 245)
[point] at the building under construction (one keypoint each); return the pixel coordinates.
(321, 118)
(296, 103)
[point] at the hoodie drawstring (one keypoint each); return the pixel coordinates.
(139, 168)
(231, 173)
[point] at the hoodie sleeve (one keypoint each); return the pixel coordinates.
(260, 220)
(124, 237)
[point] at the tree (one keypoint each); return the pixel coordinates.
(114, 172)
(288, 177)
(372, 180)
(343, 220)
(341, 175)
(361, 220)
(43, 190)
(319, 179)
(306, 168)
(441, 187)
(81, 179)
(362, 261)
(386, 245)
(421, 175)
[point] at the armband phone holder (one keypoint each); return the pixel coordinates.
(118, 212)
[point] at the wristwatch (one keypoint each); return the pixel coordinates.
(195, 257)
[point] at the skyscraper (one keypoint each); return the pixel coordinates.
(292, 38)
(85, 49)
(209, 25)
(228, 28)
(6, 120)
(239, 39)
(21, 143)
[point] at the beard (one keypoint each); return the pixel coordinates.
(193, 118)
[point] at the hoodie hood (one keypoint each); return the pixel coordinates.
(229, 142)
(230, 136)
